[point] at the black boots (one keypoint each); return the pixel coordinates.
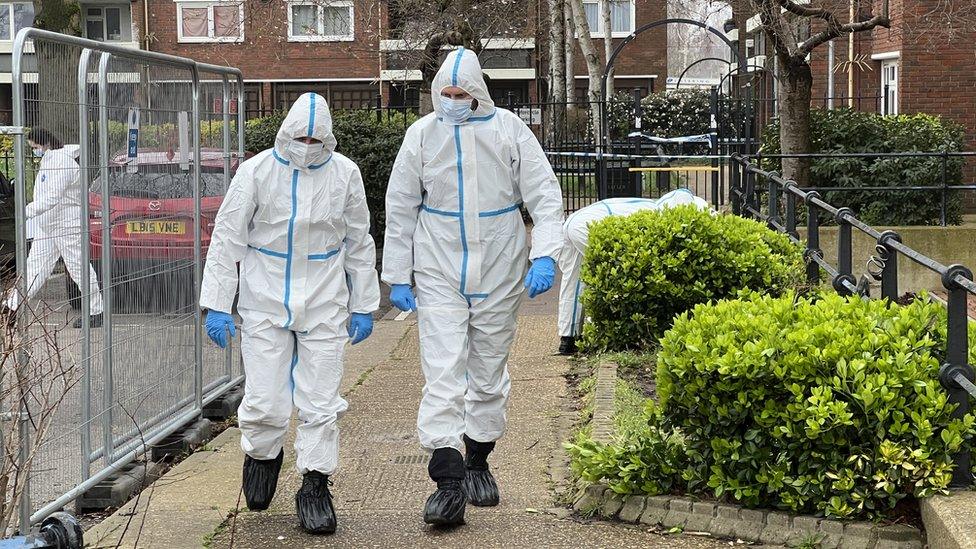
(445, 507)
(95, 322)
(567, 345)
(313, 502)
(479, 484)
(261, 480)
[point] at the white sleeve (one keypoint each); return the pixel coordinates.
(403, 198)
(228, 243)
(540, 193)
(359, 250)
(52, 183)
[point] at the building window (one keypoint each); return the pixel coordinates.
(621, 18)
(210, 21)
(889, 87)
(13, 17)
(103, 24)
(320, 21)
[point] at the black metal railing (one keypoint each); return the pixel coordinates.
(956, 375)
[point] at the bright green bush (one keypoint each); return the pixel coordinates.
(370, 142)
(642, 270)
(816, 405)
(848, 131)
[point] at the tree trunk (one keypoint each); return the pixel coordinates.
(607, 42)
(592, 67)
(569, 51)
(557, 71)
(795, 83)
(56, 102)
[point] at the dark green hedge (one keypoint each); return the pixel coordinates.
(848, 131)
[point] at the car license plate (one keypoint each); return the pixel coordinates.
(155, 227)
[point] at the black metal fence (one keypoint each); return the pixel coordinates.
(781, 213)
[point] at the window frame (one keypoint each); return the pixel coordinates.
(103, 18)
(11, 21)
(320, 6)
(599, 33)
(886, 64)
(211, 37)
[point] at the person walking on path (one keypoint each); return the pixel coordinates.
(454, 230)
(295, 219)
(54, 217)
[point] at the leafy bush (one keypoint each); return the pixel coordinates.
(672, 113)
(848, 131)
(826, 404)
(370, 142)
(642, 270)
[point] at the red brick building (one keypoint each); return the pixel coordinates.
(347, 50)
(919, 65)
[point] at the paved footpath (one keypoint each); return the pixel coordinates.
(382, 483)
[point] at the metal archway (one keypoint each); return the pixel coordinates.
(604, 133)
(702, 60)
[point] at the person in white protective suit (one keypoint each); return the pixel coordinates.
(54, 223)
(576, 234)
(295, 218)
(454, 229)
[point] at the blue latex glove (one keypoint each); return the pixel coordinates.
(360, 326)
(541, 275)
(402, 297)
(218, 324)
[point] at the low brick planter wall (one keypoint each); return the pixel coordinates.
(735, 522)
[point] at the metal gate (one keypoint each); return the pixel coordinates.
(134, 167)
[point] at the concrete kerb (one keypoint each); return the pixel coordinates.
(950, 521)
(725, 520)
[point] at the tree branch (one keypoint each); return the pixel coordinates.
(834, 30)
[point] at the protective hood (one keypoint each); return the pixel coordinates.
(308, 117)
(461, 68)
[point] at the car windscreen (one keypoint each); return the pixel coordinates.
(160, 185)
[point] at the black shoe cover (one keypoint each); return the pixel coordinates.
(313, 502)
(567, 345)
(479, 484)
(445, 507)
(261, 480)
(481, 488)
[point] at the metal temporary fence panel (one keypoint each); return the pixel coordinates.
(125, 198)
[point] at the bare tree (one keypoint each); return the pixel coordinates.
(34, 380)
(593, 65)
(557, 69)
(607, 42)
(570, 50)
(54, 62)
(783, 21)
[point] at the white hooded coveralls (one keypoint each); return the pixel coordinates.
(307, 260)
(576, 234)
(55, 225)
(454, 228)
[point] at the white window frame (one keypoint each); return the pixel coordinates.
(211, 31)
(10, 15)
(104, 20)
(320, 6)
(892, 87)
(599, 33)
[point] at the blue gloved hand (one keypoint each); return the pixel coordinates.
(360, 326)
(541, 275)
(402, 297)
(218, 324)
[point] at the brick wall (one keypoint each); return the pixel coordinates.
(266, 52)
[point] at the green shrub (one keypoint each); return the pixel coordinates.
(672, 113)
(370, 142)
(816, 405)
(642, 270)
(848, 131)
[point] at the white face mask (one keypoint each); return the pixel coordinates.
(305, 154)
(456, 111)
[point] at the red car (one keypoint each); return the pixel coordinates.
(151, 214)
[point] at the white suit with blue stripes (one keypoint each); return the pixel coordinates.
(576, 235)
(454, 230)
(307, 260)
